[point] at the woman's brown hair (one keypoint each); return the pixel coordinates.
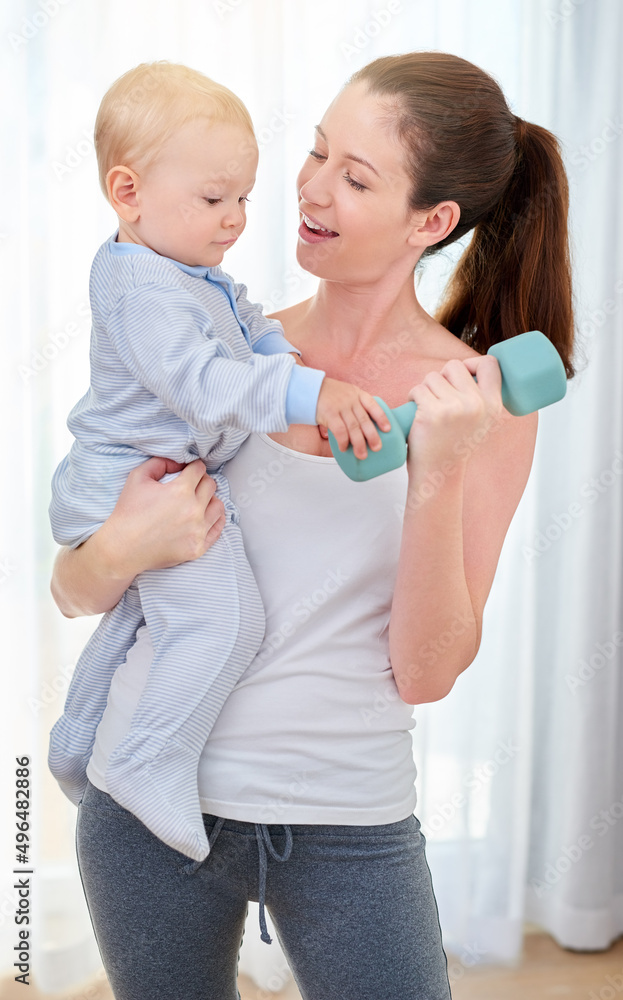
(464, 144)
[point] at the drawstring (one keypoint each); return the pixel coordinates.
(193, 866)
(263, 837)
(263, 841)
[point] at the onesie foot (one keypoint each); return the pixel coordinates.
(68, 756)
(160, 790)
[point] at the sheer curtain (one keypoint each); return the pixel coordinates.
(520, 779)
(521, 767)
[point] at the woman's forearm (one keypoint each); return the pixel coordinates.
(435, 629)
(90, 579)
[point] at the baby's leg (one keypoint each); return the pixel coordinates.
(85, 489)
(73, 735)
(206, 622)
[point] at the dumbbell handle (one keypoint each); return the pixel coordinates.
(405, 415)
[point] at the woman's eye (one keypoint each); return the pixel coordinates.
(354, 184)
(244, 198)
(212, 201)
(316, 156)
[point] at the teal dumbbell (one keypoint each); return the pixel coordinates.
(533, 376)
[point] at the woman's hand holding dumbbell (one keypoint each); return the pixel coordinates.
(453, 413)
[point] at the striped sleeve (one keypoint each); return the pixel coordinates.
(267, 336)
(171, 351)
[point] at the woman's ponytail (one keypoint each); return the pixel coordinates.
(463, 143)
(515, 274)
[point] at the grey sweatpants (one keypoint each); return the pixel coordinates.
(353, 907)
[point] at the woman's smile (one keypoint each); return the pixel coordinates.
(311, 231)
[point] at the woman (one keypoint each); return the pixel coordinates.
(315, 739)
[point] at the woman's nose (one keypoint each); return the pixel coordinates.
(313, 188)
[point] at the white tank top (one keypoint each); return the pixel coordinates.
(314, 731)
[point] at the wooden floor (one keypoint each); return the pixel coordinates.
(545, 971)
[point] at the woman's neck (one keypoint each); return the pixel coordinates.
(349, 322)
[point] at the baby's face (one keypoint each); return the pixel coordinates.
(192, 197)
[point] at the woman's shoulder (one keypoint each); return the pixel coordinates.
(292, 316)
(430, 351)
(442, 345)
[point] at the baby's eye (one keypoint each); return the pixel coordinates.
(212, 201)
(244, 197)
(316, 155)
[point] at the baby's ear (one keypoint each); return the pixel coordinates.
(122, 187)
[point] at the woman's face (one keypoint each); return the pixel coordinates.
(354, 185)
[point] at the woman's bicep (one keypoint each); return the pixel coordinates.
(494, 484)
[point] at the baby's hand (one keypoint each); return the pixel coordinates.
(349, 413)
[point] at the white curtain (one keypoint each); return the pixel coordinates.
(520, 769)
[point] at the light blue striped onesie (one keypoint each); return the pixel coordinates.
(183, 366)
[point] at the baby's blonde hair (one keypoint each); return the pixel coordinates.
(145, 106)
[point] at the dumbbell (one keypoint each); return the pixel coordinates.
(533, 376)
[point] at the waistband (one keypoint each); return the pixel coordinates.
(262, 836)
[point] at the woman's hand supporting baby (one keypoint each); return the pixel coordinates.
(91, 579)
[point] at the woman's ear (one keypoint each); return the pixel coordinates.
(433, 226)
(122, 184)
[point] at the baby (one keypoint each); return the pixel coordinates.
(182, 366)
